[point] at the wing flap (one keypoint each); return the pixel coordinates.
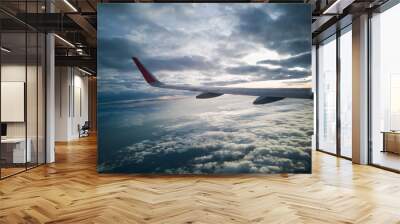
(208, 95)
(266, 99)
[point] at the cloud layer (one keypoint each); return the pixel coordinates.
(235, 137)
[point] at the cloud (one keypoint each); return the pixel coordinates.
(191, 62)
(240, 140)
(199, 44)
(287, 33)
(268, 73)
(301, 60)
(116, 53)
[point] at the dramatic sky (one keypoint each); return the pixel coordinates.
(143, 129)
(200, 44)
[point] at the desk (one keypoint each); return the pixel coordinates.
(391, 141)
(13, 150)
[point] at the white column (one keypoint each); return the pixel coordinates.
(50, 99)
(360, 90)
(314, 87)
(62, 103)
(50, 92)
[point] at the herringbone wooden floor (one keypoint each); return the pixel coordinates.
(71, 191)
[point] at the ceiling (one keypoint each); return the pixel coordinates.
(75, 23)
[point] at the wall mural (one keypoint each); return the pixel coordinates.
(204, 88)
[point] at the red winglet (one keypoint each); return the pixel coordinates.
(146, 74)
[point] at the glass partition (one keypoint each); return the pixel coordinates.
(346, 93)
(385, 89)
(14, 153)
(41, 96)
(31, 100)
(22, 78)
(327, 95)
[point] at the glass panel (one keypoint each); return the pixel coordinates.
(346, 93)
(41, 98)
(385, 93)
(31, 98)
(32, 87)
(327, 96)
(13, 86)
(23, 90)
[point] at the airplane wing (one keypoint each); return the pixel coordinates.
(265, 95)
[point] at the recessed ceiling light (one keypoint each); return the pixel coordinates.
(5, 50)
(64, 40)
(84, 71)
(70, 5)
(337, 7)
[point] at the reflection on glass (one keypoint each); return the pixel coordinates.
(41, 98)
(394, 102)
(346, 94)
(327, 96)
(22, 91)
(13, 86)
(31, 101)
(385, 89)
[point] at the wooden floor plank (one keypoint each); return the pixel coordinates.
(71, 191)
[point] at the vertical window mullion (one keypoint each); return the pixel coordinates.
(317, 97)
(26, 86)
(369, 79)
(37, 90)
(338, 76)
(0, 92)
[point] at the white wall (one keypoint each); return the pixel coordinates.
(80, 109)
(17, 73)
(13, 101)
(33, 126)
(14, 73)
(71, 94)
(62, 82)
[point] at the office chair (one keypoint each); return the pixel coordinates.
(84, 130)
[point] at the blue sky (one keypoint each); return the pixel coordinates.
(210, 44)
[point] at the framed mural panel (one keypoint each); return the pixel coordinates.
(211, 88)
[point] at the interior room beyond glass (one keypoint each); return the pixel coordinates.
(385, 89)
